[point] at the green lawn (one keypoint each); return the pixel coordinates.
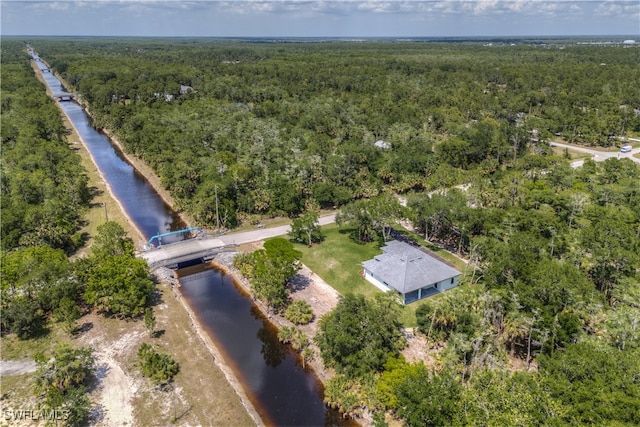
(338, 260)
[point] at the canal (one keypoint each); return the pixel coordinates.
(283, 392)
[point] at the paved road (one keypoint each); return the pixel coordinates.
(598, 156)
(265, 233)
(182, 251)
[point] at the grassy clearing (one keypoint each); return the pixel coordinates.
(264, 222)
(338, 260)
(17, 394)
(13, 348)
(573, 154)
(16, 391)
(252, 224)
(612, 148)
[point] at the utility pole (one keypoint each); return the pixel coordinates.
(106, 215)
(217, 216)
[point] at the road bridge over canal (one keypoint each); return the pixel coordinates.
(206, 248)
(174, 255)
(64, 96)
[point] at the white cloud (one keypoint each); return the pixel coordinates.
(341, 7)
(617, 8)
(318, 17)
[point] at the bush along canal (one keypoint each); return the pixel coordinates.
(283, 392)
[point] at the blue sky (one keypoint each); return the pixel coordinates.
(300, 18)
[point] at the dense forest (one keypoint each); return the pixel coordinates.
(544, 330)
(273, 125)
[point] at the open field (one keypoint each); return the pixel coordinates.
(573, 155)
(120, 394)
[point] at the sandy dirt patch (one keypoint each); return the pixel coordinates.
(114, 389)
(17, 367)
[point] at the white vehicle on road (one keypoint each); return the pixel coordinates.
(626, 149)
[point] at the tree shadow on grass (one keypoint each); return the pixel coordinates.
(354, 237)
(156, 297)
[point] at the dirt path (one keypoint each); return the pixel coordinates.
(114, 390)
(17, 367)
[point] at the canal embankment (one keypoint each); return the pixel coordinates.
(104, 206)
(137, 205)
(147, 172)
(216, 355)
(107, 206)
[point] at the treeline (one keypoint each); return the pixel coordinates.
(44, 197)
(44, 189)
(272, 126)
(545, 329)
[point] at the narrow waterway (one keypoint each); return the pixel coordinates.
(283, 392)
(140, 201)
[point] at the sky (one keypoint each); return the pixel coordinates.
(321, 18)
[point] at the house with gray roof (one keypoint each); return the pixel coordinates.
(410, 272)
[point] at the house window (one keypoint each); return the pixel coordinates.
(452, 280)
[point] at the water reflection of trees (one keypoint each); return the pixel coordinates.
(273, 351)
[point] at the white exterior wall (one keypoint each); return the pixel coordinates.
(377, 282)
(441, 286)
(445, 285)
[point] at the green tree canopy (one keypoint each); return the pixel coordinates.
(359, 335)
(120, 285)
(62, 380)
(305, 228)
(112, 240)
(66, 369)
(598, 384)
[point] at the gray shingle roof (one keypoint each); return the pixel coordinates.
(406, 268)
